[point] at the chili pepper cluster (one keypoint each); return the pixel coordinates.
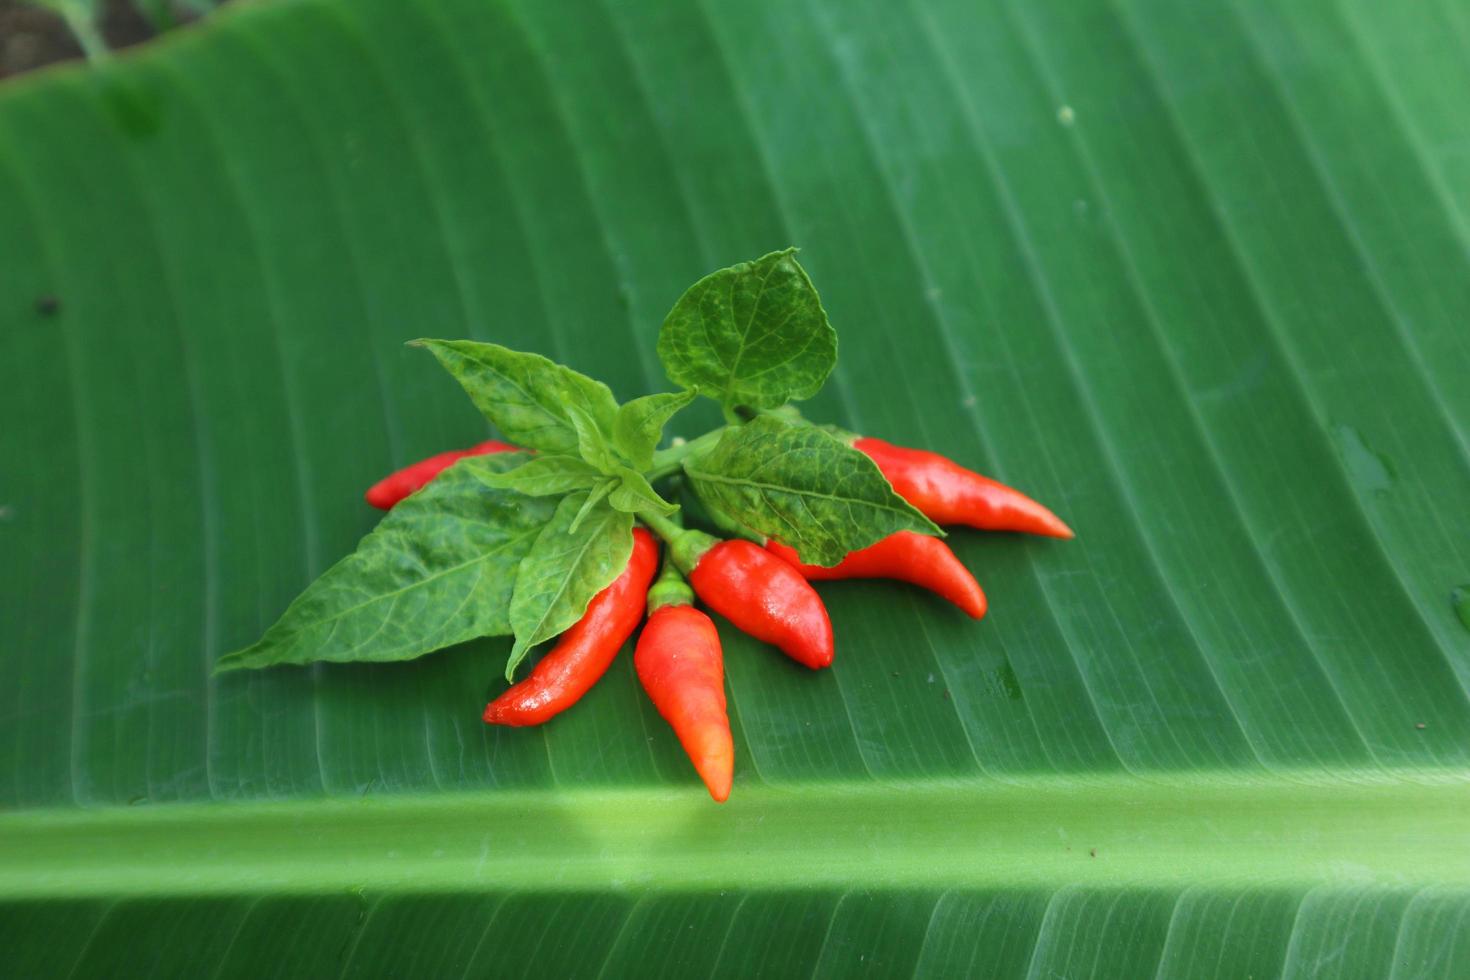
(764, 592)
(555, 534)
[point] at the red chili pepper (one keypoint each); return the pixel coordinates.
(414, 477)
(585, 651)
(907, 556)
(947, 493)
(680, 664)
(759, 593)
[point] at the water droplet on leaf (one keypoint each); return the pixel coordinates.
(1370, 471)
(1009, 684)
(1460, 600)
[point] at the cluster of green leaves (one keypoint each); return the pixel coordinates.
(520, 543)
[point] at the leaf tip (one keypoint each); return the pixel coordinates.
(230, 663)
(517, 654)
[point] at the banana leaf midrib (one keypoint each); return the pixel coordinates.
(1049, 832)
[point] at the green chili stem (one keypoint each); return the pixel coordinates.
(664, 527)
(685, 547)
(667, 462)
(670, 589)
(731, 526)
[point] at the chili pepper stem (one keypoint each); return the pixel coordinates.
(665, 527)
(686, 547)
(731, 526)
(669, 590)
(667, 462)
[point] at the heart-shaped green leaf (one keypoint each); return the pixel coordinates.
(752, 335)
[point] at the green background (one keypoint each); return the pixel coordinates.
(1193, 275)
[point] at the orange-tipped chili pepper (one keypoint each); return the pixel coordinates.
(681, 667)
(947, 493)
(585, 651)
(414, 477)
(907, 556)
(758, 592)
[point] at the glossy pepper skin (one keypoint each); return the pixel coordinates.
(414, 477)
(919, 559)
(947, 493)
(765, 597)
(681, 667)
(585, 651)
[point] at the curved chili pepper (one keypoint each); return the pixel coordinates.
(585, 651)
(907, 556)
(947, 493)
(680, 665)
(759, 593)
(414, 477)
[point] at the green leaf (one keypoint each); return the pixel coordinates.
(639, 425)
(633, 493)
(599, 492)
(565, 569)
(803, 487)
(544, 476)
(528, 397)
(592, 442)
(752, 335)
(1192, 274)
(437, 571)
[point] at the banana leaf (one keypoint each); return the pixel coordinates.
(1195, 275)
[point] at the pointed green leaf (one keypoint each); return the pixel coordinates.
(633, 493)
(599, 492)
(639, 424)
(592, 440)
(438, 570)
(565, 569)
(528, 397)
(542, 476)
